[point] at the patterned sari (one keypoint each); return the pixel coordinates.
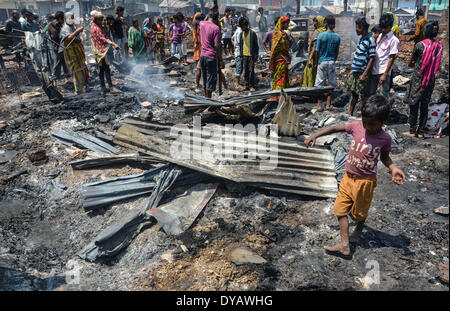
(279, 57)
(160, 38)
(309, 74)
(75, 58)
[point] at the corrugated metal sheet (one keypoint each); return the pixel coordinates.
(193, 102)
(301, 170)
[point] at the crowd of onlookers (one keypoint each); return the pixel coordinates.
(216, 38)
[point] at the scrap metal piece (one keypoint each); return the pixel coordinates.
(118, 236)
(179, 214)
(86, 141)
(194, 102)
(115, 159)
(286, 117)
(106, 192)
(296, 169)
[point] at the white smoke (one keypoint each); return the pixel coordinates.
(152, 81)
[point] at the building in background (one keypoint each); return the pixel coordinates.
(44, 7)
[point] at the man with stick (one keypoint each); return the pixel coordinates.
(54, 28)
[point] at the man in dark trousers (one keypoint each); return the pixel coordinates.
(249, 50)
(54, 29)
(119, 35)
(211, 52)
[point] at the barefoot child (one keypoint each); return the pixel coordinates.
(370, 144)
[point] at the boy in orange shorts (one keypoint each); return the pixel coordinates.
(370, 144)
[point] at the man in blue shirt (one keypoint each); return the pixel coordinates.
(327, 49)
(362, 64)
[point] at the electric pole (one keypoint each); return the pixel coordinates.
(427, 8)
(381, 2)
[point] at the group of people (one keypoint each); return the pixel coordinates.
(214, 38)
(108, 39)
(372, 66)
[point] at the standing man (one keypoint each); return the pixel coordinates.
(237, 56)
(244, 15)
(187, 32)
(249, 50)
(267, 41)
(30, 24)
(119, 36)
(261, 21)
(234, 20)
(327, 46)
(227, 29)
(23, 19)
(12, 26)
(387, 50)
(362, 64)
(419, 35)
(211, 52)
(54, 28)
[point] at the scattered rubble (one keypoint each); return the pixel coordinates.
(112, 206)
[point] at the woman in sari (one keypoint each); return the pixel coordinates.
(160, 38)
(136, 43)
(279, 56)
(74, 53)
(309, 74)
(198, 17)
(100, 45)
(149, 38)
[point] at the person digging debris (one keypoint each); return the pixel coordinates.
(369, 145)
(100, 45)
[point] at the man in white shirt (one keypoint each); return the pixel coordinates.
(387, 50)
(237, 56)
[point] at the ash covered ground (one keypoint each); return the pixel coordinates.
(43, 224)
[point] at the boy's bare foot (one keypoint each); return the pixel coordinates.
(114, 90)
(409, 134)
(252, 89)
(338, 248)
